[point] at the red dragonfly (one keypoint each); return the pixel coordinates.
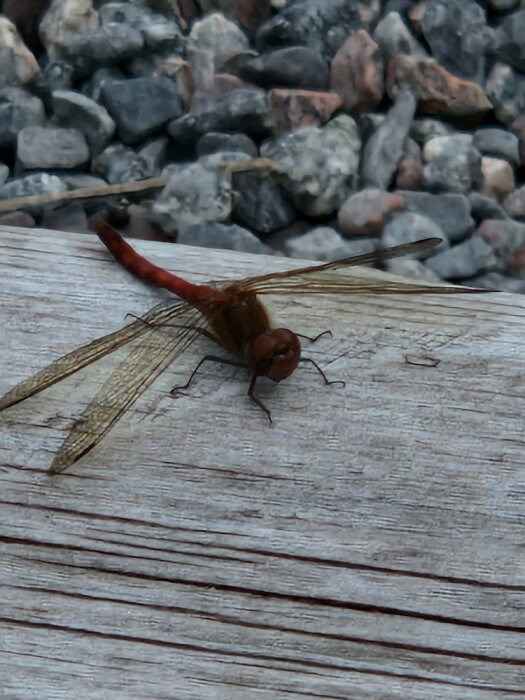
(230, 314)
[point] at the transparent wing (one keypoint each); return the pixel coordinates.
(85, 355)
(168, 329)
(316, 279)
(145, 361)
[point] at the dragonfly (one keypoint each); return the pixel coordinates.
(230, 314)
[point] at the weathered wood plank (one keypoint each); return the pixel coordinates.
(369, 544)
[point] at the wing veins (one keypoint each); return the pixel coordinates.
(144, 363)
(91, 352)
(256, 283)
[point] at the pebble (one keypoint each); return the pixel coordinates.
(394, 37)
(297, 66)
(452, 164)
(46, 147)
(318, 164)
(458, 34)
(408, 226)
(261, 204)
(226, 236)
(514, 203)
(508, 40)
(19, 66)
(467, 259)
(384, 149)
(141, 106)
(18, 109)
(70, 107)
(365, 213)
(357, 73)
(450, 212)
(293, 109)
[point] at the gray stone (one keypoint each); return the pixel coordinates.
(120, 164)
(213, 40)
(505, 236)
(384, 149)
(69, 217)
(500, 282)
(74, 180)
(323, 25)
(73, 108)
(196, 193)
(458, 34)
(56, 75)
(101, 46)
(416, 270)
(296, 66)
(245, 110)
(407, 227)
(4, 173)
(226, 236)
(472, 257)
(508, 40)
(503, 5)
(498, 142)
(505, 88)
(261, 204)
(141, 106)
(159, 32)
(423, 129)
(93, 87)
(319, 164)
(49, 147)
(324, 243)
(215, 142)
(484, 207)
(394, 37)
(154, 153)
(36, 183)
(450, 212)
(64, 21)
(453, 164)
(18, 109)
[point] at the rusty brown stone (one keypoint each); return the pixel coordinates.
(17, 218)
(409, 174)
(516, 261)
(514, 203)
(365, 213)
(296, 108)
(357, 73)
(439, 92)
(416, 14)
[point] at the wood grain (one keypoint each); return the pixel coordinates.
(370, 544)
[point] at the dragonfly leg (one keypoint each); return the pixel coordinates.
(315, 338)
(207, 358)
(323, 375)
(256, 400)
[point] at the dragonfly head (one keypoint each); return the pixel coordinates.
(275, 354)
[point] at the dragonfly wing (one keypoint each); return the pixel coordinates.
(327, 278)
(85, 355)
(145, 361)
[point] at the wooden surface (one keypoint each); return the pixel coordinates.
(370, 544)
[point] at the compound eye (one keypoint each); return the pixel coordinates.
(275, 354)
